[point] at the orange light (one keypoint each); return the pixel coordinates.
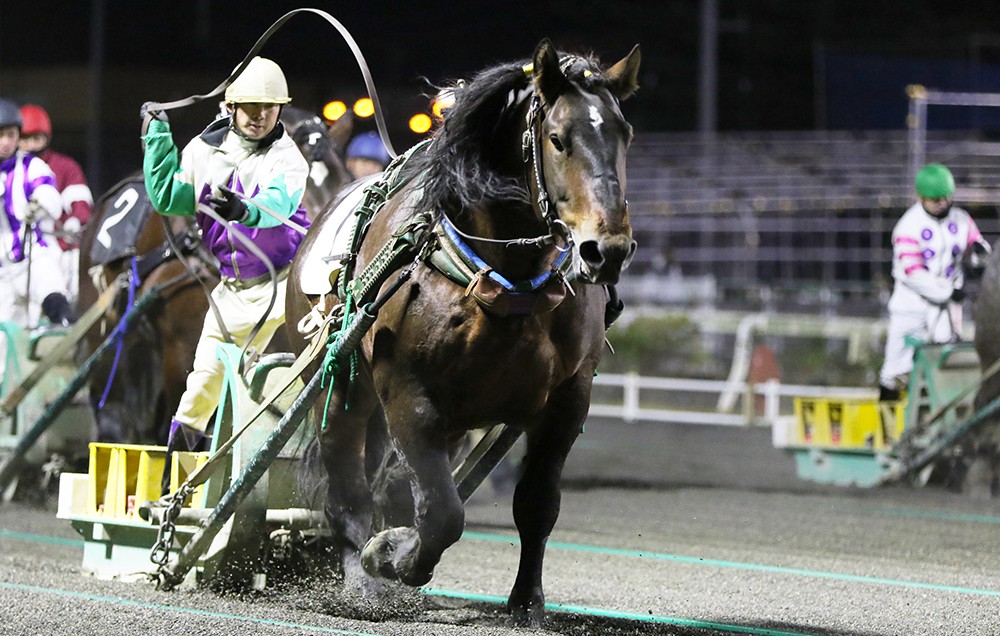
(334, 110)
(420, 123)
(364, 107)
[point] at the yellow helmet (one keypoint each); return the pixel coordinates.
(261, 82)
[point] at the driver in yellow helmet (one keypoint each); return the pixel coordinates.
(930, 243)
(247, 169)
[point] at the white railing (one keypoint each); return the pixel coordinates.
(630, 407)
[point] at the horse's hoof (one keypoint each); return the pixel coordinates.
(360, 584)
(390, 554)
(526, 612)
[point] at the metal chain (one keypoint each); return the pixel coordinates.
(160, 553)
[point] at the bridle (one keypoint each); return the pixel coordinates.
(531, 153)
(531, 156)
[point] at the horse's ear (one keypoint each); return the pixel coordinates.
(624, 76)
(340, 131)
(549, 79)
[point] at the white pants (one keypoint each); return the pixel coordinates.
(939, 324)
(240, 310)
(17, 304)
(71, 270)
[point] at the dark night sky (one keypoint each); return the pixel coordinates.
(767, 48)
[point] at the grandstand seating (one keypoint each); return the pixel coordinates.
(770, 214)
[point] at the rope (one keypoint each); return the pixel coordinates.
(330, 365)
(193, 99)
(172, 240)
(366, 73)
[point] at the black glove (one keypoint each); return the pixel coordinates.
(229, 206)
(958, 295)
(155, 114)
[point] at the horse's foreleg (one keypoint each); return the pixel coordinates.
(537, 498)
(410, 554)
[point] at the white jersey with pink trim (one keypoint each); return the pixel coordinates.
(927, 258)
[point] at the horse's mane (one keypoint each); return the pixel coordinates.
(459, 167)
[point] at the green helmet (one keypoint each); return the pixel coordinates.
(934, 181)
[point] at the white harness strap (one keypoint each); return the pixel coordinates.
(322, 264)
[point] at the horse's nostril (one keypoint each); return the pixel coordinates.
(590, 252)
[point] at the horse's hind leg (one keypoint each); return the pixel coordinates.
(348, 504)
(537, 498)
(389, 477)
(410, 553)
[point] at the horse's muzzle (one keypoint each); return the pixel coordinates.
(602, 261)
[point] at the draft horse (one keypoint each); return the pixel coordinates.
(976, 470)
(524, 182)
(134, 400)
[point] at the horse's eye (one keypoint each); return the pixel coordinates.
(554, 138)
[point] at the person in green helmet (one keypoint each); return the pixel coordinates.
(933, 244)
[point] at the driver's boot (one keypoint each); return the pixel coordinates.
(182, 438)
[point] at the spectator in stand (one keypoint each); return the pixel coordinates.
(77, 200)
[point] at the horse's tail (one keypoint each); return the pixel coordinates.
(311, 478)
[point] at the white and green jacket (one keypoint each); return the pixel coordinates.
(272, 172)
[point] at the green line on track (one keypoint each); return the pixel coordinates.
(38, 538)
(939, 516)
(498, 538)
(181, 610)
(645, 618)
(575, 547)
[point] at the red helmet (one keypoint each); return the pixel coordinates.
(36, 120)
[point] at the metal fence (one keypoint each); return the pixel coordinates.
(632, 397)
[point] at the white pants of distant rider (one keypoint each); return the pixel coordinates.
(938, 324)
(17, 304)
(240, 310)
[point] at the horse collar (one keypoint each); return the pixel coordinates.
(491, 290)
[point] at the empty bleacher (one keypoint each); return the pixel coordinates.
(800, 218)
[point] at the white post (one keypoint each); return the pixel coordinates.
(630, 397)
(772, 401)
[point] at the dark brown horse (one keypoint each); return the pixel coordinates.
(443, 358)
(977, 469)
(158, 352)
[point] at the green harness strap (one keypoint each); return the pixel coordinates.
(355, 290)
(376, 196)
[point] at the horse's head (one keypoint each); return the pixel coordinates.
(581, 140)
(312, 138)
(322, 146)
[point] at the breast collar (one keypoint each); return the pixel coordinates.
(494, 292)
